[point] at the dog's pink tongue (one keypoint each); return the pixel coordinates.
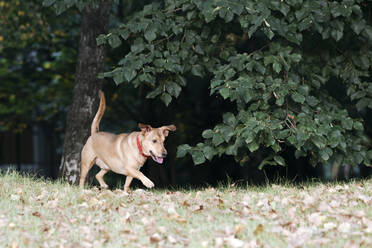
(159, 160)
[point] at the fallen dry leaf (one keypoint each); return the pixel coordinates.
(126, 218)
(238, 229)
(197, 208)
(155, 238)
(186, 203)
(36, 214)
(259, 229)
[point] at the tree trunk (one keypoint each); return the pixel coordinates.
(85, 99)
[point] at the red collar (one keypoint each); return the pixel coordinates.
(140, 148)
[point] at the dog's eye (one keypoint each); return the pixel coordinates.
(154, 141)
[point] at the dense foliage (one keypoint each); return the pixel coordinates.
(36, 59)
(297, 72)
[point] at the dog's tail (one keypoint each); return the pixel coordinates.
(101, 109)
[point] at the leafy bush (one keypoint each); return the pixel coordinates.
(298, 73)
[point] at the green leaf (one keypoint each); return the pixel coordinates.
(225, 92)
(303, 89)
(197, 70)
(154, 93)
(249, 136)
(197, 157)
(147, 78)
(277, 67)
(48, 3)
(362, 103)
(229, 119)
(199, 50)
(357, 26)
(279, 101)
(335, 138)
(227, 132)
(119, 77)
(260, 68)
(357, 95)
(268, 32)
(229, 73)
(217, 139)
(358, 125)
(190, 15)
(101, 39)
(369, 154)
(279, 160)
(138, 46)
(298, 98)
(347, 123)
(269, 140)
(296, 57)
(113, 40)
(150, 34)
(182, 150)
(312, 101)
(229, 16)
(208, 152)
(323, 154)
(214, 38)
(318, 141)
(130, 74)
(336, 34)
(299, 153)
(166, 98)
(124, 33)
(368, 32)
(173, 89)
(266, 161)
(207, 134)
(253, 146)
(269, 60)
(182, 81)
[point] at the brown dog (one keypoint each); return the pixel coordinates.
(124, 153)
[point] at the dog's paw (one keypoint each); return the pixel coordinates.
(104, 186)
(147, 182)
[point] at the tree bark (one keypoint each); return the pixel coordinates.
(90, 62)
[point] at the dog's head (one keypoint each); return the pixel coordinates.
(153, 141)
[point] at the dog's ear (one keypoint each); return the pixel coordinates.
(166, 129)
(144, 127)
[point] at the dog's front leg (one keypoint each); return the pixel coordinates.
(139, 175)
(128, 180)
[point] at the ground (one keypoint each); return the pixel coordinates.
(38, 213)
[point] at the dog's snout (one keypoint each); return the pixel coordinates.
(164, 154)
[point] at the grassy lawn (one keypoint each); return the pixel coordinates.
(35, 213)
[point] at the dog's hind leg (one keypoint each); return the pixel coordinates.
(88, 158)
(99, 177)
(86, 164)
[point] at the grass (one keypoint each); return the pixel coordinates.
(38, 213)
